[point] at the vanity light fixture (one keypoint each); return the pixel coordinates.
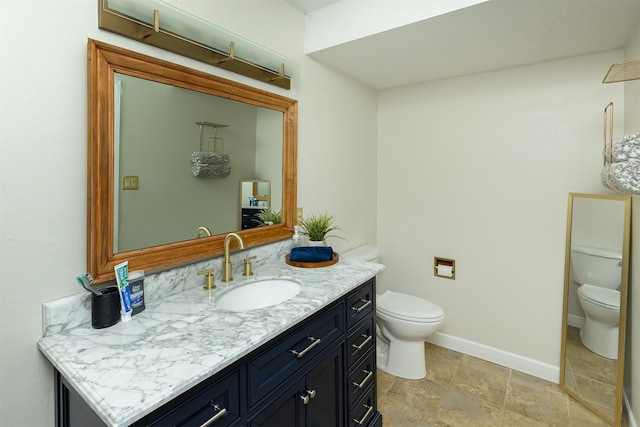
(162, 25)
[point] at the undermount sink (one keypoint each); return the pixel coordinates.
(258, 294)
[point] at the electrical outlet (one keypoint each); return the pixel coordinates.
(299, 216)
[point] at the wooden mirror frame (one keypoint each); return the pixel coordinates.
(624, 284)
(103, 61)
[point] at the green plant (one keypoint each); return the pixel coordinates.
(318, 227)
(269, 217)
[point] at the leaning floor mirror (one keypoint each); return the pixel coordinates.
(595, 302)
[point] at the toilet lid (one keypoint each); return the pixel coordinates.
(602, 296)
(408, 307)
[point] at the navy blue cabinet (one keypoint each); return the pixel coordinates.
(321, 372)
(315, 399)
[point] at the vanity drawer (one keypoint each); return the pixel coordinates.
(361, 303)
(291, 353)
(218, 404)
(360, 340)
(364, 411)
(360, 378)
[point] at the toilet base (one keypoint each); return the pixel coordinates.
(600, 338)
(404, 359)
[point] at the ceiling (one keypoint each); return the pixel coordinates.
(488, 36)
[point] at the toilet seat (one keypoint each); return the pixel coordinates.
(609, 298)
(408, 307)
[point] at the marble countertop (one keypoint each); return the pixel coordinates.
(126, 371)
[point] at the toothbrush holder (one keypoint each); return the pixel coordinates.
(105, 308)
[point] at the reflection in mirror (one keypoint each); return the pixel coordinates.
(157, 128)
(144, 203)
(595, 300)
(255, 198)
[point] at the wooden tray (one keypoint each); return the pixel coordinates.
(319, 264)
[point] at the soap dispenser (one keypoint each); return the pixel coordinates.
(297, 238)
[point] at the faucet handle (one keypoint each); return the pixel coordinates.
(209, 284)
(247, 266)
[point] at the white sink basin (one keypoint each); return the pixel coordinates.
(258, 294)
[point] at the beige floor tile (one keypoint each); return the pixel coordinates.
(411, 402)
(488, 367)
(441, 363)
(464, 391)
(537, 399)
(461, 409)
(482, 384)
(513, 419)
(385, 381)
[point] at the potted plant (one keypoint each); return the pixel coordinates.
(269, 217)
(317, 228)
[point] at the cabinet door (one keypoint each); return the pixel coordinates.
(284, 411)
(324, 383)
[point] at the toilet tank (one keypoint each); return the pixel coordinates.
(596, 266)
(363, 253)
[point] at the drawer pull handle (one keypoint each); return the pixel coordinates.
(366, 304)
(362, 421)
(364, 343)
(310, 395)
(221, 412)
(365, 380)
(315, 342)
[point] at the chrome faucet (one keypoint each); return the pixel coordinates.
(226, 267)
(203, 229)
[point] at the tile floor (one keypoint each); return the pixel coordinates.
(461, 390)
(591, 376)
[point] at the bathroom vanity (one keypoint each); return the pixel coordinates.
(307, 361)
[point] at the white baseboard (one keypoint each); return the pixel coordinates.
(632, 420)
(500, 357)
(577, 321)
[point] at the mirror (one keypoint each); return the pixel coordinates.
(258, 133)
(255, 198)
(182, 159)
(595, 302)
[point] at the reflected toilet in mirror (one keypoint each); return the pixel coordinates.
(597, 273)
(595, 300)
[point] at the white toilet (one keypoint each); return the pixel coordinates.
(404, 322)
(598, 273)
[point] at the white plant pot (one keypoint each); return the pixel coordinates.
(316, 243)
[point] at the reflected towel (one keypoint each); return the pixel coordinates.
(311, 254)
(210, 164)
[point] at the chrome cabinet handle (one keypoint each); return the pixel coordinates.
(363, 419)
(310, 394)
(365, 380)
(221, 412)
(366, 304)
(364, 343)
(315, 342)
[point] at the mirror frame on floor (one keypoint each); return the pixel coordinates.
(616, 420)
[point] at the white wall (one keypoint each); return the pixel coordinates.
(632, 125)
(494, 156)
(43, 161)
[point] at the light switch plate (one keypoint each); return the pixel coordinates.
(130, 182)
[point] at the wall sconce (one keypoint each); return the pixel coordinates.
(162, 25)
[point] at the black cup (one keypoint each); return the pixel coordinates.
(105, 308)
